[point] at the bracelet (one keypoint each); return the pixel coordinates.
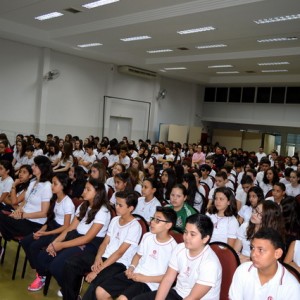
(132, 266)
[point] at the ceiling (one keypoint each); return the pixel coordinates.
(161, 19)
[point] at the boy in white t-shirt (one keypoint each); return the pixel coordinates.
(119, 245)
(194, 264)
(264, 277)
(149, 264)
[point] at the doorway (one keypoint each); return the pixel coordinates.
(120, 127)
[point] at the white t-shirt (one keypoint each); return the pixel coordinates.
(146, 209)
(125, 161)
(63, 163)
(155, 257)
(296, 257)
(241, 196)
(242, 236)
(54, 157)
(265, 187)
(113, 159)
(37, 152)
(62, 208)
(34, 196)
(204, 269)
(208, 181)
(224, 228)
(246, 285)
(111, 182)
(129, 233)
(5, 185)
(101, 155)
(102, 217)
(245, 212)
(78, 153)
(88, 158)
(292, 191)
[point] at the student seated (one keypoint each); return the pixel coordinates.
(149, 264)
(114, 254)
(293, 256)
(194, 264)
(264, 277)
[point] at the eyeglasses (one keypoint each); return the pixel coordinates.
(156, 220)
(255, 211)
(202, 170)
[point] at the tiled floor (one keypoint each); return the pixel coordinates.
(17, 289)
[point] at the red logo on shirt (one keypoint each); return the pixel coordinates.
(154, 254)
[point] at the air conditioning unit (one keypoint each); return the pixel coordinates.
(137, 72)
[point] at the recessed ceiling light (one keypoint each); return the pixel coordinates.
(159, 51)
(229, 72)
(277, 19)
(136, 38)
(194, 30)
(51, 15)
(274, 63)
(89, 45)
(98, 3)
(284, 39)
(273, 71)
(220, 66)
(211, 46)
(175, 68)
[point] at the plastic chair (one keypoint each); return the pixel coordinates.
(229, 261)
(177, 235)
(292, 270)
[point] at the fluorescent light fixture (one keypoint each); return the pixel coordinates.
(284, 39)
(98, 3)
(274, 63)
(277, 19)
(52, 15)
(89, 45)
(211, 46)
(162, 71)
(175, 68)
(229, 72)
(273, 71)
(194, 30)
(159, 51)
(220, 66)
(136, 38)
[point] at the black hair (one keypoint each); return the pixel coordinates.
(203, 223)
(79, 173)
(63, 179)
(125, 177)
(131, 198)
(275, 176)
(246, 179)
(29, 148)
(170, 184)
(259, 193)
(287, 172)
(271, 235)
(231, 209)
(7, 165)
(281, 185)
(205, 167)
(101, 169)
(44, 164)
(169, 213)
(89, 146)
(192, 189)
(221, 174)
(153, 182)
(100, 199)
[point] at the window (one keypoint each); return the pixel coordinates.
(209, 94)
(222, 94)
(263, 95)
(248, 94)
(235, 94)
(278, 95)
(293, 95)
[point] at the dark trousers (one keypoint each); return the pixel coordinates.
(172, 295)
(10, 227)
(33, 247)
(74, 269)
(106, 274)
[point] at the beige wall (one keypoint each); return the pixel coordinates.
(269, 143)
(178, 133)
(251, 141)
(194, 135)
(227, 138)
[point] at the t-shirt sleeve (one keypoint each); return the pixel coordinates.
(46, 193)
(233, 228)
(134, 234)
(208, 278)
(69, 207)
(173, 263)
(102, 215)
(141, 249)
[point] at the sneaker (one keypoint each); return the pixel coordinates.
(37, 283)
(59, 293)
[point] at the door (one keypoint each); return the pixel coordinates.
(119, 127)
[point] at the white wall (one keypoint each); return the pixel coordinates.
(73, 102)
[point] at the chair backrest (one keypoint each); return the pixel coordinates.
(76, 201)
(110, 192)
(143, 223)
(229, 261)
(269, 194)
(177, 235)
(292, 270)
(104, 161)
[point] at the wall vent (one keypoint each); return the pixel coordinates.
(137, 72)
